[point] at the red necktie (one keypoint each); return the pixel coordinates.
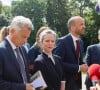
(78, 49)
(77, 76)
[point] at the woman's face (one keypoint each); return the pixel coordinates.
(48, 43)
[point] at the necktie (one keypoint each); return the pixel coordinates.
(78, 49)
(77, 76)
(21, 64)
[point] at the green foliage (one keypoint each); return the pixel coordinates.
(86, 9)
(57, 15)
(5, 15)
(91, 18)
(0, 7)
(33, 9)
(3, 20)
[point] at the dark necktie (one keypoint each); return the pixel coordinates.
(78, 49)
(21, 64)
(77, 76)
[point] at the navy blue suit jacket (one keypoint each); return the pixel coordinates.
(33, 52)
(53, 74)
(10, 75)
(93, 54)
(66, 50)
(92, 57)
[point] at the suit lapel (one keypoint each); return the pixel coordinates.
(71, 44)
(50, 66)
(23, 56)
(12, 55)
(58, 67)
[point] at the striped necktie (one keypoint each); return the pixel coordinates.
(21, 64)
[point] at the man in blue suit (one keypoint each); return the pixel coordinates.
(92, 57)
(66, 49)
(14, 74)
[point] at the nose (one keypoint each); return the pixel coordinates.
(50, 42)
(84, 26)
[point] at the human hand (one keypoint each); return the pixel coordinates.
(63, 85)
(84, 68)
(29, 87)
(93, 88)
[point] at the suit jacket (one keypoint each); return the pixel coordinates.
(10, 75)
(33, 52)
(52, 74)
(66, 50)
(92, 57)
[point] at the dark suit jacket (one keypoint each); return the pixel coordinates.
(92, 57)
(66, 50)
(52, 74)
(10, 75)
(33, 52)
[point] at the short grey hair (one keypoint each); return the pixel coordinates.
(71, 21)
(19, 22)
(45, 32)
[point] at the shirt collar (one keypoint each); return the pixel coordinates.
(11, 43)
(47, 54)
(74, 38)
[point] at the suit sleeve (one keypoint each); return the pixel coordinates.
(88, 56)
(33, 53)
(5, 84)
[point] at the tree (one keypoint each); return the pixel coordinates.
(3, 20)
(0, 6)
(86, 9)
(33, 9)
(57, 15)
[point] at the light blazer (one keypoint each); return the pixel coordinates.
(66, 50)
(92, 57)
(52, 74)
(10, 75)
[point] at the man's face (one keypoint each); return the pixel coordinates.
(79, 27)
(20, 37)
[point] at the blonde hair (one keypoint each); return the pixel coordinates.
(3, 33)
(41, 29)
(47, 31)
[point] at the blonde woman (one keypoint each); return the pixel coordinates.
(49, 64)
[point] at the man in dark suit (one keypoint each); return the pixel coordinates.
(14, 73)
(92, 57)
(66, 48)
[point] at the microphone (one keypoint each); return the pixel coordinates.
(94, 73)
